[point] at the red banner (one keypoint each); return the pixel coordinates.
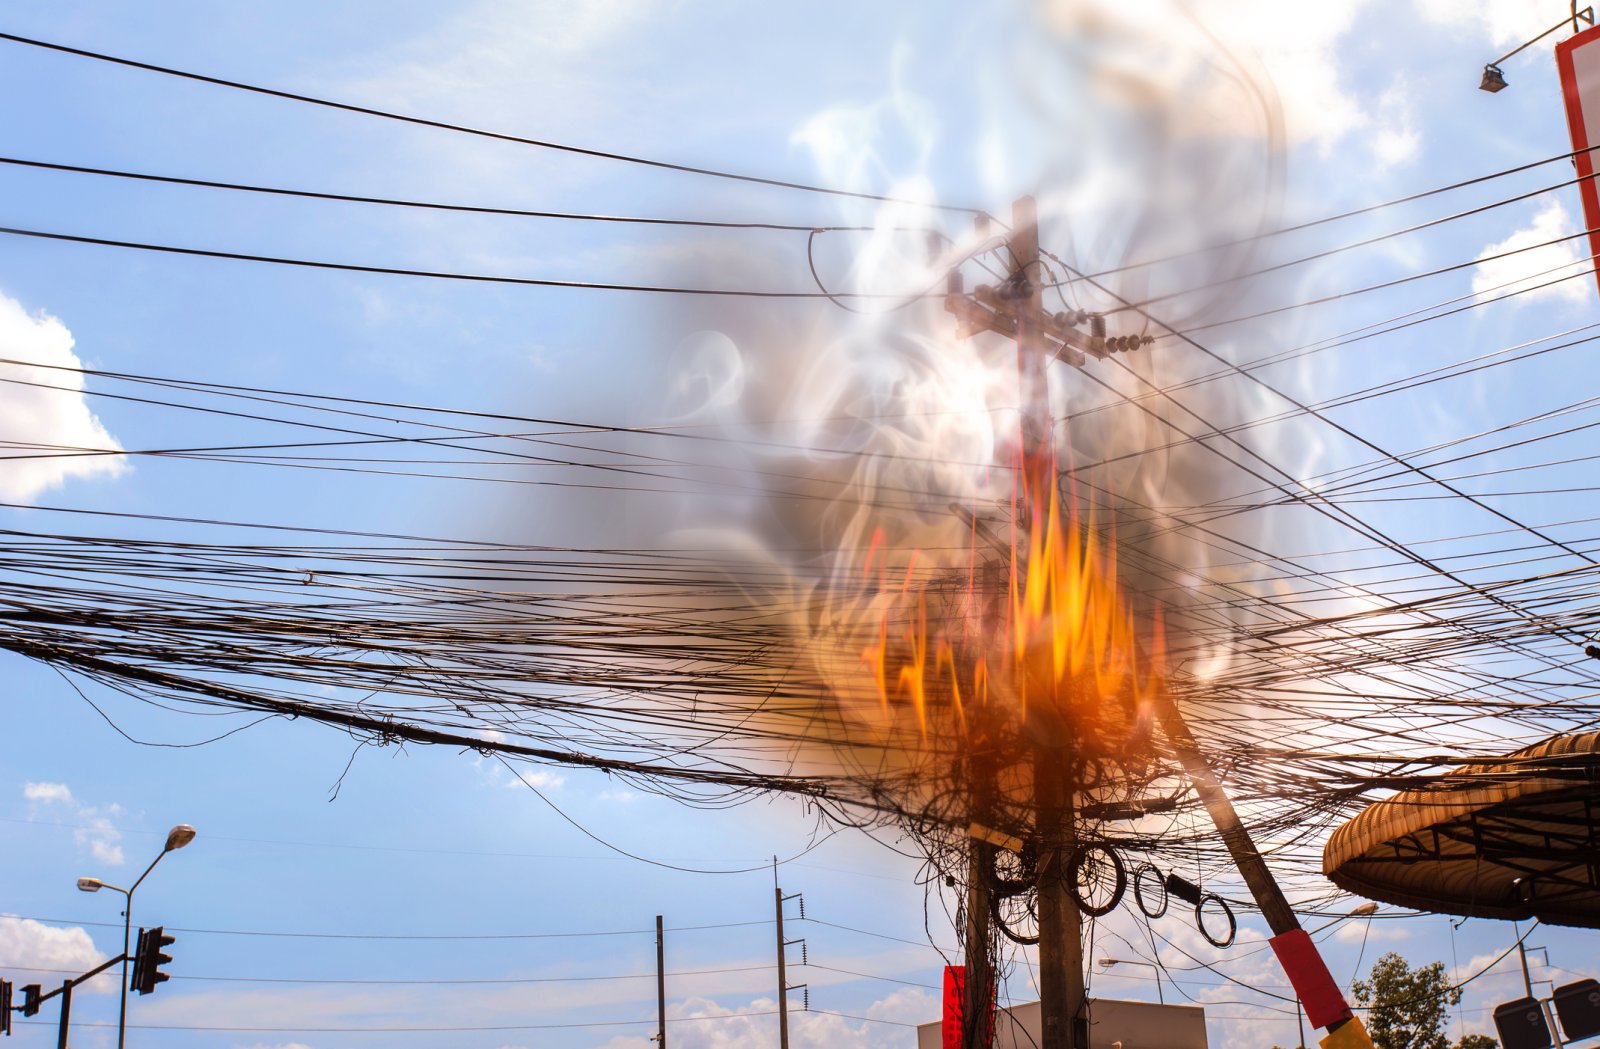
(1578, 59)
(955, 1005)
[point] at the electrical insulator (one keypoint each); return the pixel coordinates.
(1097, 326)
(805, 1000)
(805, 957)
(802, 906)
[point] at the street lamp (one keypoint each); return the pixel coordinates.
(1494, 80)
(177, 838)
(1106, 963)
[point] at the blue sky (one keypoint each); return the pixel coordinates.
(1376, 101)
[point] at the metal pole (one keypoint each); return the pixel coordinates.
(66, 1015)
(783, 976)
(122, 1006)
(1544, 1006)
(127, 925)
(661, 985)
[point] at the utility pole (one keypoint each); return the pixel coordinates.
(978, 973)
(784, 987)
(1014, 310)
(783, 971)
(66, 1015)
(1315, 988)
(1064, 1011)
(661, 985)
(1544, 1006)
(32, 999)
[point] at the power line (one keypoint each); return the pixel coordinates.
(402, 936)
(476, 209)
(1340, 216)
(437, 981)
(400, 271)
(868, 932)
(423, 1030)
(501, 136)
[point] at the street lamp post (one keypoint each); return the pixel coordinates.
(177, 838)
(1106, 963)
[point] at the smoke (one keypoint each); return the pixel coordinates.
(1143, 137)
(832, 456)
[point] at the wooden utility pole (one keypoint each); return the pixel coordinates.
(1014, 309)
(977, 988)
(1316, 990)
(1063, 1008)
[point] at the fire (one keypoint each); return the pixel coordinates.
(1055, 638)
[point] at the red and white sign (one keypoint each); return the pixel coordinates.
(1578, 58)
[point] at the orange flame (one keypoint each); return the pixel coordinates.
(1063, 643)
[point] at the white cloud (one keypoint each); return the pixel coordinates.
(32, 416)
(539, 779)
(1504, 22)
(700, 1023)
(100, 837)
(1529, 268)
(25, 942)
(94, 831)
(1371, 932)
(509, 58)
(1297, 45)
(47, 792)
(1394, 136)
(1211, 56)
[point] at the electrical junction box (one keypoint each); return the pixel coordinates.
(1521, 1025)
(1578, 1006)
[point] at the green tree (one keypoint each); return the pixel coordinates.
(1406, 1006)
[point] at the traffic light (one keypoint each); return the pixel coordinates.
(1578, 1005)
(5, 1006)
(30, 999)
(1521, 1025)
(148, 959)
